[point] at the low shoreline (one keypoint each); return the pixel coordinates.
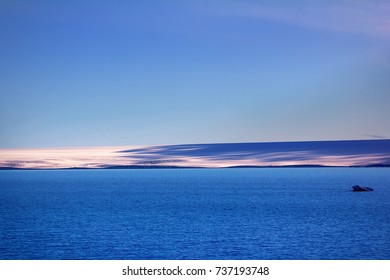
(196, 167)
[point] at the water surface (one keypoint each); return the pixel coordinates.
(269, 213)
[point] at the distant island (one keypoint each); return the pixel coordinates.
(309, 154)
(192, 167)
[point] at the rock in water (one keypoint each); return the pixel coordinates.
(358, 188)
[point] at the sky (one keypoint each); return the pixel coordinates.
(126, 73)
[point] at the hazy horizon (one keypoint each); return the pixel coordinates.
(261, 154)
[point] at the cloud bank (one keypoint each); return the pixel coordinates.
(324, 153)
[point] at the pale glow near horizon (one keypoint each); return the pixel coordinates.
(89, 157)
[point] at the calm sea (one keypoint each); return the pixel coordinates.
(274, 213)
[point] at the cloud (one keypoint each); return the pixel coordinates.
(362, 17)
(335, 153)
(376, 136)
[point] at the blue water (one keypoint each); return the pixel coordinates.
(281, 213)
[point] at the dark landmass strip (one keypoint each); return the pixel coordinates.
(198, 167)
(282, 166)
(148, 167)
(12, 168)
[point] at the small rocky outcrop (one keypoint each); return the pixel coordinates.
(358, 188)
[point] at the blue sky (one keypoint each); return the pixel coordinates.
(102, 73)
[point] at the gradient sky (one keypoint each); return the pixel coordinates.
(101, 73)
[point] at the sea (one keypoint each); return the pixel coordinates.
(190, 214)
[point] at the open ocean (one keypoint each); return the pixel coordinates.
(265, 213)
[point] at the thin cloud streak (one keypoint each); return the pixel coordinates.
(376, 136)
(370, 18)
